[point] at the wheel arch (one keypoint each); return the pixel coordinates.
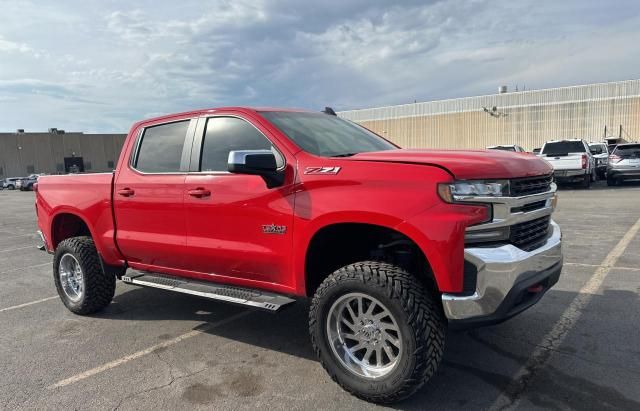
(325, 251)
(67, 224)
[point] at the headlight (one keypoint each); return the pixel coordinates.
(449, 192)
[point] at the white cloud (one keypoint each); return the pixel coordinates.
(101, 66)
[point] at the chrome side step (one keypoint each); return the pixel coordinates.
(237, 295)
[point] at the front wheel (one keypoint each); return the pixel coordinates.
(82, 285)
(377, 331)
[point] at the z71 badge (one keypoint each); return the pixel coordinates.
(322, 170)
(274, 229)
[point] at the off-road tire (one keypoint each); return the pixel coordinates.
(99, 287)
(420, 320)
(586, 181)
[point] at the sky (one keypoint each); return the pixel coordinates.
(98, 66)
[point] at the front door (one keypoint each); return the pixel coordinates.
(148, 198)
(236, 227)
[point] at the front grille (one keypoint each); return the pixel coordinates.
(530, 207)
(530, 234)
(530, 185)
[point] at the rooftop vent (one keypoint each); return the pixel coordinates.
(20, 131)
(53, 130)
(502, 89)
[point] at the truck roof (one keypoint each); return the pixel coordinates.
(246, 109)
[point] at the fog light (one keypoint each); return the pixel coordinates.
(486, 236)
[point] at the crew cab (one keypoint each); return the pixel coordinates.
(263, 207)
(571, 160)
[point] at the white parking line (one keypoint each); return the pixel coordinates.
(27, 304)
(24, 268)
(19, 248)
(146, 351)
(596, 265)
(509, 398)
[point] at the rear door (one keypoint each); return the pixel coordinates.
(237, 228)
(148, 197)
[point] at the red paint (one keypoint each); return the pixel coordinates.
(209, 225)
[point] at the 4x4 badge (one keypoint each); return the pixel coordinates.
(274, 229)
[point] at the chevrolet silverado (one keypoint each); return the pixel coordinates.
(263, 207)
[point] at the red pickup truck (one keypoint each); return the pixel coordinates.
(265, 206)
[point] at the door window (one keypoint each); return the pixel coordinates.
(161, 148)
(225, 134)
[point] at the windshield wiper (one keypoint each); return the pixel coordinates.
(345, 155)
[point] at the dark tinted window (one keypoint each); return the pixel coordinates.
(226, 134)
(503, 148)
(563, 147)
(161, 148)
(326, 135)
(628, 150)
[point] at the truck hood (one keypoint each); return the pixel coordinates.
(466, 164)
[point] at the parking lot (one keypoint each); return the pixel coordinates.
(579, 348)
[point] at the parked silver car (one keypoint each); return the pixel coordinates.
(10, 183)
(624, 164)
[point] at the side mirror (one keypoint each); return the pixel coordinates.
(256, 162)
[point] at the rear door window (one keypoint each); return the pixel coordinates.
(160, 150)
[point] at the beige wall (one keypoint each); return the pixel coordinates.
(531, 118)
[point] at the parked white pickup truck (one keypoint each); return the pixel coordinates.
(571, 160)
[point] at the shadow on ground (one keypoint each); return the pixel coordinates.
(478, 364)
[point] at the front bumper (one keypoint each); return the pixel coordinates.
(505, 278)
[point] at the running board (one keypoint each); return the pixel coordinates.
(214, 291)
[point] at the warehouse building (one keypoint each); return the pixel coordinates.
(526, 118)
(57, 152)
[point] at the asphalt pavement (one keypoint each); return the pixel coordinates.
(578, 348)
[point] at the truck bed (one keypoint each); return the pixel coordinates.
(87, 196)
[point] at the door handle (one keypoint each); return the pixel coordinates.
(126, 192)
(199, 192)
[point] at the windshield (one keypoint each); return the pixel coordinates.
(631, 150)
(563, 148)
(598, 148)
(503, 148)
(326, 135)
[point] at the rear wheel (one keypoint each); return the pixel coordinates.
(586, 181)
(82, 285)
(377, 331)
